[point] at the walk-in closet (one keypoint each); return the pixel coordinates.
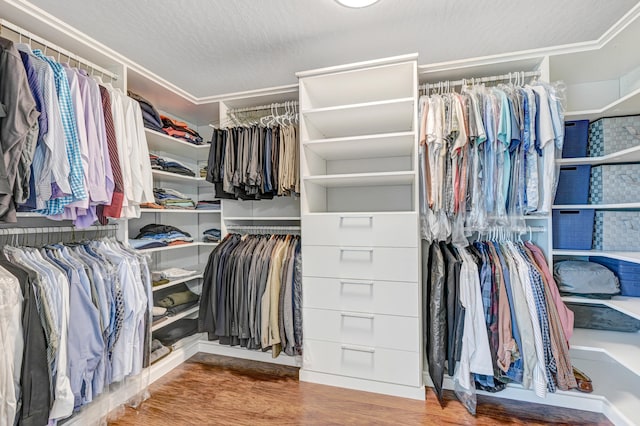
(319, 212)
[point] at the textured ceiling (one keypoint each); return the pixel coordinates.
(212, 47)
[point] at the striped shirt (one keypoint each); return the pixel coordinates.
(72, 144)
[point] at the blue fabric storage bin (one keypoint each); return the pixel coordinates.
(627, 272)
(573, 185)
(573, 229)
(576, 138)
(613, 134)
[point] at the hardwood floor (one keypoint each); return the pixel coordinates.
(213, 390)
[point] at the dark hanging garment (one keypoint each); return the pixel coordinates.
(453, 301)
(35, 398)
(437, 341)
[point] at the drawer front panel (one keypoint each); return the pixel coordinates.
(373, 263)
(371, 230)
(376, 297)
(371, 363)
(381, 331)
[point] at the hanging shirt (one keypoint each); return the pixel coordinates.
(78, 192)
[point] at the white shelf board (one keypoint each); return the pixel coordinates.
(629, 256)
(171, 320)
(262, 218)
(176, 247)
(598, 206)
(363, 179)
(394, 115)
(630, 155)
(176, 282)
(624, 348)
(627, 305)
(161, 142)
(28, 214)
(384, 145)
(179, 211)
(214, 347)
(174, 177)
(350, 86)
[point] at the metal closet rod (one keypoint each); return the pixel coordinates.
(263, 107)
(55, 229)
(264, 229)
(32, 37)
(502, 77)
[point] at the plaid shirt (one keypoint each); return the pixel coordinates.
(76, 176)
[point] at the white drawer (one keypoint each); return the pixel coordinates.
(381, 331)
(361, 229)
(364, 362)
(376, 297)
(367, 263)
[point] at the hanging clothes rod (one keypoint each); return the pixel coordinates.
(511, 75)
(21, 32)
(263, 107)
(263, 229)
(55, 229)
(521, 229)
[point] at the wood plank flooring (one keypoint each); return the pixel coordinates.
(213, 390)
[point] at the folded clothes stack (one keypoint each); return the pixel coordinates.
(150, 115)
(158, 351)
(169, 165)
(180, 130)
(155, 235)
(171, 274)
(208, 205)
(203, 172)
(173, 304)
(176, 331)
(170, 199)
(211, 235)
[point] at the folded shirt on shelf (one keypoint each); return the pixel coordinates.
(150, 115)
(177, 299)
(170, 199)
(171, 274)
(176, 331)
(180, 130)
(211, 235)
(169, 165)
(165, 234)
(158, 351)
(208, 205)
(146, 244)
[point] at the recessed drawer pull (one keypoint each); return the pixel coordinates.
(367, 283)
(366, 250)
(365, 316)
(358, 349)
(368, 217)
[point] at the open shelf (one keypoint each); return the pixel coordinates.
(363, 179)
(630, 155)
(171, 320)
(161, 142)
(214, 347)
(394, 115)
(174, 177)
(629, 256)
(626, 105)
(627, 305)
(622, 347)
(176, 282)
(621, 206)
(179, 246)
(340, 87)
(356, 147)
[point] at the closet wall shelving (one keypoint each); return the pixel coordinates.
(359, 227)
(598, 85)
(602, 77)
